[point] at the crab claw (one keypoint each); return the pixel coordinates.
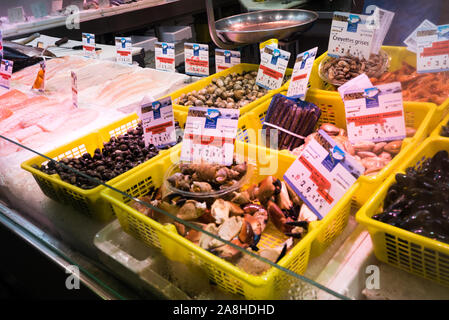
(246, 234)
(229, 253)
(277, 217)
(268, 187)
(299, 229)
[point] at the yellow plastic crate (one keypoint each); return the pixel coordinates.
(397, 56)
(417, 115)
(406, 250)
(442, 117)
(227, 276)
(88, 202)
(202, 83)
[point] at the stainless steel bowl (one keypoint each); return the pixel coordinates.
(260, 26)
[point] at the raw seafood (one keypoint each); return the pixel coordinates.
(419, 200)
(240, 222)
(425, 87)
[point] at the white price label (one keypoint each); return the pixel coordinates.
(433, 49)
(123, 48)
(39, 9)
(224, 59)
(272, 68)
(360, 82)
(209, 135)
(5, 73)
(158, 122)
(350, 35)
(410, 41)
(301, 73)
(74, 89)
(375, 114)
(89, 45)
(322, 174)
(381, 21)
(196, 58)
(16, 15)
(165, 56)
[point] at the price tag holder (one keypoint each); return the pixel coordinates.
(39, 9)
(16, 15)
(165, 56)
(360, 82)
(350, 35)
(433, 49)
(301, 73)
(196, 58)
(224, 59)
(1, 44)
(381, 21)
(124, 49)
(322, 174)
(5, 73)
(39, 82)
(411, 42)
(89, 45)
(158, 122)
(74, 89)
(209, 135)
(375, 114)
(272, 68)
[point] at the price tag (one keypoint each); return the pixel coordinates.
(165, 56)
(410, 41)
(209, 135)
(158, 122)
(39, 82)
(381, 21)
(350, 35)
(74, 89)
(360, 82)
(433, 49)
(5, 73)
(375, 114)
(301, 73)
(16, 15)
(225, 59)
(322, 174)
(196, 58)
(271, 42)
(272, 67)
(39, 9)
(1, 44)
(123, 47)
(89, 45)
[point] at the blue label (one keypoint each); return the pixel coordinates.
(335, 156)
(7, 64)
(211, 118)
(156, 110)
(443, 32)
(196, 50)
(304, 60)
(372, 97)
(353, 22)
(164, 48)
(227, 56)
(275, 56)
(123, 41)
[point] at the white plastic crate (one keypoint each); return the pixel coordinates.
(145, 42)
(174, 33)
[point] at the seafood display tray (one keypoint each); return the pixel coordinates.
(227, 276)
(201, 84)
(417, 115)
(397, 56)
(87, 202)
(406, 250)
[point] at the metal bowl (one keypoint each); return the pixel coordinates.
(260, 26)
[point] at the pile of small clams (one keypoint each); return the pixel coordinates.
(372, 156)
(419, 200)
(342, 69)
(233, 91)
(240, 216)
